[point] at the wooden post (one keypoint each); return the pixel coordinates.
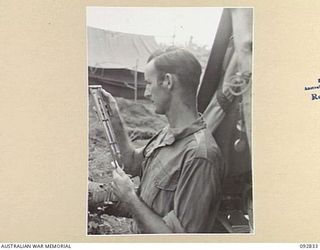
(136, 81)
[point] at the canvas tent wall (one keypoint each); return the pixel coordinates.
(114, 58)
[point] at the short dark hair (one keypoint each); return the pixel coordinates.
(159, 52)
(156, 53)
(180, 62)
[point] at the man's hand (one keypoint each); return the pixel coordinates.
(148, 221)
(111, 102)
(131, 158)
(230, 72)
(122, 186)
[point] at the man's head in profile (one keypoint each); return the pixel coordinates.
(172, 78)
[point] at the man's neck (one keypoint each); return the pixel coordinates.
(181, 115)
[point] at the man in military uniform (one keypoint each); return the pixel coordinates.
(181, 167)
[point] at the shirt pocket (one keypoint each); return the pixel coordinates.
(166, 184)
(167, 180)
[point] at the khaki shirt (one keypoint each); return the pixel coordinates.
(181, 178)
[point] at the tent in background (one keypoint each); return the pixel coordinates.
(115, 59)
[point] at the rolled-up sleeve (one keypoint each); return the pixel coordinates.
(173, 222)
(197, 197)
(217, 109)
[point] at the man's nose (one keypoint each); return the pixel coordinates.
(147, 92)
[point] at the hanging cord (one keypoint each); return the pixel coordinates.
(240, 143)
(238, 83)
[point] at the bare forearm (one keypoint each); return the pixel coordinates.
(123, 140)
(130, 156)
(147, 220)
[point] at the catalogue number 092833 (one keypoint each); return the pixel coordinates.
(309, 245)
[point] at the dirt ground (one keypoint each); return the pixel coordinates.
(141, 123)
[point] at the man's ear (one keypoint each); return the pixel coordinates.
(168, 81)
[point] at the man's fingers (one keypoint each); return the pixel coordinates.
(120, 172)
(114, 189)
(114, 165)
(105, 93)
(115, 174)
(113, 185)
(107, 96)
(110, 102)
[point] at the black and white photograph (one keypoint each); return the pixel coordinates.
(169, 120)
(159, 122)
